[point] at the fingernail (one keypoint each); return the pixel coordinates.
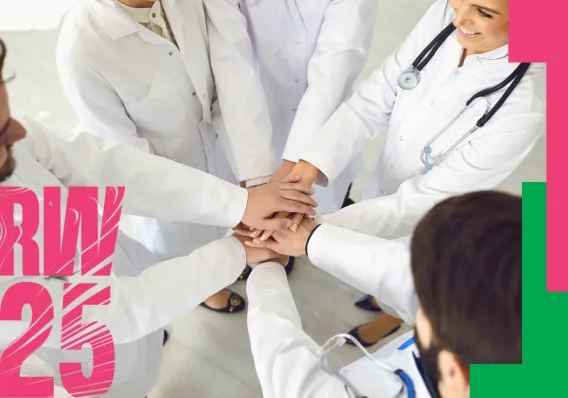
(247, 243)
(294, 227)
(312, 191)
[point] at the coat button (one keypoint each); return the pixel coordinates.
(171, 53)
(203, 96)
(294, 110)
(432, 102)
(457, 73)
(400, 137)
(296, 80)
(194, 94)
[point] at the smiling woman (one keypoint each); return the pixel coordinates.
(482, 25)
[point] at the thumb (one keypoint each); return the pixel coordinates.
(275, 224)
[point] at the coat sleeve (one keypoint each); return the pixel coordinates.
(286, 359)
(376, 266)
(482, 163)
(34, 366)
(367, 112)
(341, 51)
(247, 133)
(96, 103)
(145, 303)
(155, 187)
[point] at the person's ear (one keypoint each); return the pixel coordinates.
(454, 377)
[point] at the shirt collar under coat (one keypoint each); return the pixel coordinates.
(118, 23)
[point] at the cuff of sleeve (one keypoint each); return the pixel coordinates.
(326, 169)
(319, 247)
(309, 238)
(238, 206)
(261, 271)
(257, 181)
(291, 155)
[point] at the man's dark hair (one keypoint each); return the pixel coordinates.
(467, 267)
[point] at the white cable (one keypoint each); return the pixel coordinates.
(341, 339)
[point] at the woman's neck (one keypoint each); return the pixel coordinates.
(137, 3)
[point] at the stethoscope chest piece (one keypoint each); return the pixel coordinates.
(409, 78)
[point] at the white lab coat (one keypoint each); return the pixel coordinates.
(402, 194)
(309, 54)
(287, 360)
(146, 296)
(128, 84)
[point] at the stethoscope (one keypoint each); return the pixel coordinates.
(410, 78)
(338, 341)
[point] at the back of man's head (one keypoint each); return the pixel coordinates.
(467, 267)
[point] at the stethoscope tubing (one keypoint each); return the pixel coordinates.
(425, 57)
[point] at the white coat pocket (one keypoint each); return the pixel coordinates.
(161, 109)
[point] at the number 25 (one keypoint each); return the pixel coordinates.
(74, 336)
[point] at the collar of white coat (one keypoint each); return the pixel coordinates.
(116, 20)
(499, 53)
(502, 54)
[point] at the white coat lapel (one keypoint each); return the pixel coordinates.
(191, 36)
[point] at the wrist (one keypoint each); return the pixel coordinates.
(283, 171)
(307, 171)
(283, 261)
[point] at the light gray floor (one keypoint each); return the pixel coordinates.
(209, 355)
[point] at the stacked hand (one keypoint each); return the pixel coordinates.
(302, 173)
(257, 255)
(265, 201)
(282, 242)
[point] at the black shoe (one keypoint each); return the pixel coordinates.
(236, 304)
(347, 201)
(245, 274)
(290, 266)
(366, 303)
(355, 333)
(166, 337)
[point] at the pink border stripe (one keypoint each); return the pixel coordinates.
(534, 35)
